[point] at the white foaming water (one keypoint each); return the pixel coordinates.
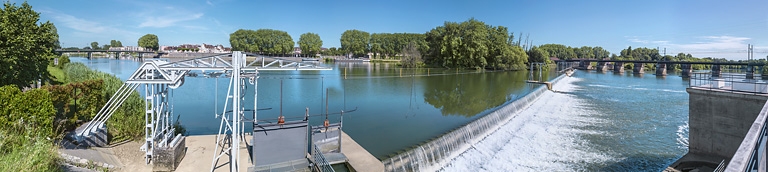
(542, 137)
(682, 138)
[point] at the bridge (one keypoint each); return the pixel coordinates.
(661, 66)
(117, 52)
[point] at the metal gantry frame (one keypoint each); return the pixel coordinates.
(160, 76)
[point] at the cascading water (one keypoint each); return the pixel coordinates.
(434, 154)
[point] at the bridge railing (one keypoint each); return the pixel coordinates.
(751, 155)
(728, 82)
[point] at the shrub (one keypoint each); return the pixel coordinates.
(128, 120)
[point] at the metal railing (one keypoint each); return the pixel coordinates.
(751, 153)
(729, 82)
(320, 162)
(720, 167)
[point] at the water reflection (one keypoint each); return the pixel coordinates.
(470, 94)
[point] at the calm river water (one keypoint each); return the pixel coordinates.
(643, 120)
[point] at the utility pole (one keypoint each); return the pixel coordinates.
(749, 52)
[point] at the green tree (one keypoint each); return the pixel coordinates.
(560, 51)
(26, 45)
(536, 54)
(333, 51)
(473, 44)
(266, 41)
(95, 45)
(310, 43)
(115, 43)
(149, 41)
(355, 42)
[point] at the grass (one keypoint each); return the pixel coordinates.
(58, 74)
(36, 154)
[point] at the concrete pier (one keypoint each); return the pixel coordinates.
(638, 69)
(359, 158)
(686, 73)
(750, 72)
(602, 66)
(661, 69)
(716, 71)
(585, 65)
(718, 120)
(618, 67)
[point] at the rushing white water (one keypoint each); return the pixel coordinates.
(543, 137)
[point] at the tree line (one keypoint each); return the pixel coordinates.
(112, 43)
(265, 41)
(473, 44)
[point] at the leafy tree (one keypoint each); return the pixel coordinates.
(355, 42)
(115, 43)
(26, 46)
(536, 54)
(473, 44)
(149, 41)
(560, 51)
(95, 45)
(391, 44)
(310, 43)
(266, 41)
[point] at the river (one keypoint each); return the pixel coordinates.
(596, 122)
(611, 122)
(396, 108)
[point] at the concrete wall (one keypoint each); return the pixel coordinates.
(718, 120)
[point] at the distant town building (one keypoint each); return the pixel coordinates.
(296, 50)
(205, 48)
(127, 48)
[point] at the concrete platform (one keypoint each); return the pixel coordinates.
(200, 151)
(359, 158)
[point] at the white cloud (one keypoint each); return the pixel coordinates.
(729, 47)
(169, 20)
(209, 2)
(715, 43)
(82, 25)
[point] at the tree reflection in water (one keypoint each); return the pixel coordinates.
(470, 94)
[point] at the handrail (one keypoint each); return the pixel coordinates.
(320, 162)
(728, 82)
(110, 107)
(749, 157)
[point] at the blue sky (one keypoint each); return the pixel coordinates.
(719, 28)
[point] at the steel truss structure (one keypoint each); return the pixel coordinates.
(158, 77)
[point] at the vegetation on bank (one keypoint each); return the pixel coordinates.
(473, 44)
(149, 41)
(34, 120)
(265, 41)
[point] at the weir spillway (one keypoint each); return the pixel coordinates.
(437, 152)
